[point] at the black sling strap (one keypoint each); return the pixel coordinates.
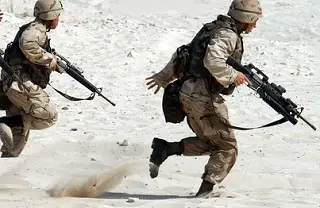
(277, 122)
(71, 98)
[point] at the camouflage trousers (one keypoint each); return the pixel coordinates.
(36, 109)
(204, 116)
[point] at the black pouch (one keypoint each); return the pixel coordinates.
(171, 105)
(229, 90)
(4, 100)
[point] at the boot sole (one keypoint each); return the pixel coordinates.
(206, 194)
(153, 169)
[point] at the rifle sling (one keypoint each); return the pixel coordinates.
(71, 98)
(277, 122)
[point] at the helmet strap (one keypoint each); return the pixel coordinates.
(48, 24)
(241, 27)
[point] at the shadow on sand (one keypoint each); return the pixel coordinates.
(115, 195)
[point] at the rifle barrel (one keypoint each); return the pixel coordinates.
(307, 122)
(104, 97)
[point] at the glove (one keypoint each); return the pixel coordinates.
(53, 66)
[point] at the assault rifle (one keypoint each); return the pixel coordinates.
(270, 93)
(76, 73)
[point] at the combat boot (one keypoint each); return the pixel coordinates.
(6, 154)
(205, 188)
(161, 151)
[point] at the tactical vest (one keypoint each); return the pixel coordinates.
(17, 60)
(197, 49)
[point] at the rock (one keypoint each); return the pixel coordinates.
(130, 54)
(131, 200)
(124, 143)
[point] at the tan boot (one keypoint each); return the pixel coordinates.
(6, 136)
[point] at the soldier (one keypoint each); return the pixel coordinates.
(29, 108)
(205, 78)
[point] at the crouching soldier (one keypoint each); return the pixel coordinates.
(29, 108)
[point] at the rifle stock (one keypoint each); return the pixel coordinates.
(270, 92)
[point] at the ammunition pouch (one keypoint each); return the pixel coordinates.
(4, 100)
(171, 105)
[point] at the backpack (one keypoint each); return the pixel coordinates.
(171, 105)
(13, 54)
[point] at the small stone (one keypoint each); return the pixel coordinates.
(130, 54)
(65, 108)
(131, 200)
(124, 143)
(74, 129)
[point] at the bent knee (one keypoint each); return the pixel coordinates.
(46, 112)
(42, 117)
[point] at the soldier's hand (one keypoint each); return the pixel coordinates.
(153, 83)
(241, 79)
(58, 69)
(53, 64)
(1, 14)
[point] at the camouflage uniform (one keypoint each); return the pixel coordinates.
(34, 104)
(212, 138)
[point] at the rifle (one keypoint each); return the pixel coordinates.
(76, 73)
(5, 66)
(270, 93)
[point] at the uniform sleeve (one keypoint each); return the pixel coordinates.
(219, 48)
(166, 75)
(30, 44)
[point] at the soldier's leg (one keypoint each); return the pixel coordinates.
(20, 134)
(36, 109)
(20, 138)
(188, 146)
(37, 113)
(223, 152)
(213, 138)
(9, 126)
(6, 137)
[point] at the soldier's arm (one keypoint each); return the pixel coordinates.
(166, 75)
(30, 44)
(219, 48)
